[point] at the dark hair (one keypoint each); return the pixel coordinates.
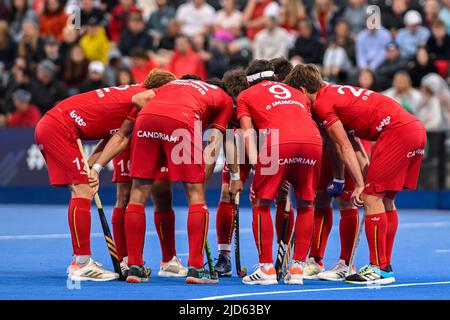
(235, 81)
(138, 52)
(190, 77)
(216, 82)
(282, 67)
(126, 70)
(257, 66)
(306, 76)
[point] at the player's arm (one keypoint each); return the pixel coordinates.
(249, 136)
(212, 151)
(98, 149)
(344, 149)
(361, 154)
(116, 144)
(140, 99)
(236, 184)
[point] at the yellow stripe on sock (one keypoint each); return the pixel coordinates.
(75, 226)
(319, 241)
(376, 246)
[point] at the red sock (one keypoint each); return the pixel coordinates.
(303, 232)
(198, 221)
(323, 222)
(376, 226)
(281, 206)
(392, 224)
(118, 224)
(165, 227)
(135, 233)
(263, 233)
(80, 225)
(348, 228)
(225, 222)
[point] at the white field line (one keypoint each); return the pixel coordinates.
(409, 225)
(250, 294)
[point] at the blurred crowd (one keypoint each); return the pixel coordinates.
(51, 49)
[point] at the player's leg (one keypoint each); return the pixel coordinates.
(164, 219)
(280, 202)
(118, 222)
(392, 223)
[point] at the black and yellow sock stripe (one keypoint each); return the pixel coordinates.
(259, 240)
(377, 255)
(75, 226)
(205, 231)
(319, 235)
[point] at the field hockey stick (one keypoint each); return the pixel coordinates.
(237, 255)
(355, 245)
(106, 231)
(282, 245)
(209, 259)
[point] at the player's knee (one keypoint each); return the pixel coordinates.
(373, 204)
(389, 204)
(303, 204)
(123, 195)
(162, 197)
(82, 191)
(195, 192)
(322, 200)
(344, 204)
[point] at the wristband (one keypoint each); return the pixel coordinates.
(235, 176)
(97, 167)
(339, 180)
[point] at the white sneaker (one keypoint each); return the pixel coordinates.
(312, 269)
(172, 268)
(92, 271)
(124, 266)
(337, 273)
(295, 273)
(264, 274)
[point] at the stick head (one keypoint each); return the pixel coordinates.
(243, 272)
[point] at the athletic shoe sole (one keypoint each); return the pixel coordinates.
(225, 274)
(81, 278)
(313, 277)
(261, 282)
(379, 281)
(168, 274)
(322, 278)
(192, 280)
(294, 281)
(133, 279)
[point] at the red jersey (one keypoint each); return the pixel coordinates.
(192, 100)
(99, 113)
(30, 118)
(274, 105)
(363, 112)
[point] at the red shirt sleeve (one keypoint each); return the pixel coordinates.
(241, 108)
(224, 115)
(324, 113)
(133, 114)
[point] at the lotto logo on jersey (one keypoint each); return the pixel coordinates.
(383, 123)
(79, 120)
(418, 152)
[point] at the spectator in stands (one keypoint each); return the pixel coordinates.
(343, 39)
(307, 47)
(430, 110)
(336, 64)
(25, 114)
(135, 35)
(96, 73)
(75, 69)
(89, 10)
(94, 42)
(444, 14)
(124, 77)
(355, 15)
(438, 47)
(291, 13)
(430, 12)
(421, 66)
(46, 90)
(392, 19)
(253, 16)
(53, 20)
(70, 39)
(141, 64)
(185, 61)
(195, 17)
(370, 45)
(119, 18)
(20, 78)
(52, 53)
(366, 79)
(31, 46)
(403, 92)
(271, 42)
(20, 12)
(441, 90)
(323, 16)
(393, 63)
(159, 19)
(8, 48)
(228, 21)
(413, 35)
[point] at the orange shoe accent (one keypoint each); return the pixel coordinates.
(297, 271)
(269, 272)
(73, 265)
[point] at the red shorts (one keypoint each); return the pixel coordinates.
(58, 144)
(396, 159)
(244, 172)
(160, 141)
(298, 163)
(326, 173)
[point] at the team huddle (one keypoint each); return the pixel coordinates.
(298, 134)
